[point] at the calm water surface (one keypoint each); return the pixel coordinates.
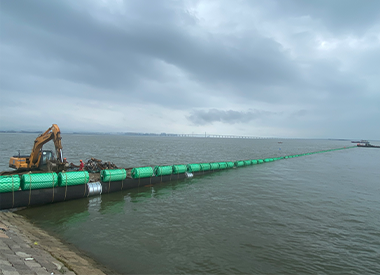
(311, 214)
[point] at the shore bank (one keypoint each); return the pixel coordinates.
(27, 249)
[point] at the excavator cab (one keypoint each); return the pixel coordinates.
(22, 162)
(46, 157)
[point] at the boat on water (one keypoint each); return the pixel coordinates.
(365, 143)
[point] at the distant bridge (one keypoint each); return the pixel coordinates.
(222, 136)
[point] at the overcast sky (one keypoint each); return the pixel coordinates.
(280, 68)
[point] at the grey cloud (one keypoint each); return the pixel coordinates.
(203, 117)
(158, 53)
(299, 113)
(338, 16)
(99, 54)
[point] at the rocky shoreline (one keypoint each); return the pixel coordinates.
(26, 249)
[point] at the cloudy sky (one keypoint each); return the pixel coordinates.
(275, 68)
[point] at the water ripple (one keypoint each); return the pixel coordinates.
(316, 214)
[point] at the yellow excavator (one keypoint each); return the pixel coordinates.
(39, 159)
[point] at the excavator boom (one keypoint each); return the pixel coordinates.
(39, 158)
(53, 133)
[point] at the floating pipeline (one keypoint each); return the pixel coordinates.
(45, 188)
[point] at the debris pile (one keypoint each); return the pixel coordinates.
(95, 165)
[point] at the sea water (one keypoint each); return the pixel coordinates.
(315, 214)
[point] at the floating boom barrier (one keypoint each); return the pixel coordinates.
(42, 188)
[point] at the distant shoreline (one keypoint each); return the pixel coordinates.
(93, 133)
(165, 135)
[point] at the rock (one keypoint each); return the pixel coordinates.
(59, 266)
(23, 255)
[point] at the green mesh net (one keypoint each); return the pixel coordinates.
(205, 166)
(247, 162)
(214, 165)
(142, 172)
(230, 164)
(9, 183)
(181, 168)
(222, 165)
(113, 175)
(38, 181)
(163, 170)
(73, 178)
(193, 167)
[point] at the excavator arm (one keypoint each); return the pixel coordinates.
(53, 133)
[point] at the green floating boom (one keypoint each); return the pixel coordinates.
(214, 165)
(142, 172)
(239, 163)
(113, 175)
(9, 183)
(222, 165)
(205, 166)
(180, 168)
(73, 178)
(39, 181)
(230, 164)
(193, 167)
(163, 170)
(247, 162)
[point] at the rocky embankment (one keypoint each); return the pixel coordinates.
(27, 249)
